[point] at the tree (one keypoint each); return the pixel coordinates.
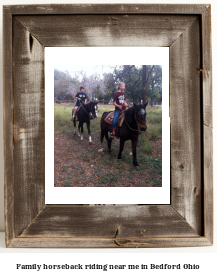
(136, 79)
(109, 87)
(146, 71)
(62, 81)
(65, 87)
(131, 75)
(133, 80)
(154, 86)
(92, 85)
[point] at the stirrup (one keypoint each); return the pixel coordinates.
(111, 137)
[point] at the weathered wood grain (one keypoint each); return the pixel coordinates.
(207, 66)
(29, 131)
(208, 183)
(185, 116)
(106, 9)
(109, 221)
(8, 126)
(207, 118)
(92, 242)
(107, 30)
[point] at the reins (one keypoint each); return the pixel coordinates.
(129, 126)
(132, 128)
(84, 108)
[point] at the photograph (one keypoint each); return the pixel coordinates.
(107, 126)
(108, 136)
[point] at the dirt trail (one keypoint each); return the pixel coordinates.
(78, 164)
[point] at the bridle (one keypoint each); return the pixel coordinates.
(85, 109)
(140, 126)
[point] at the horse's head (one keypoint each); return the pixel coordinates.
(93, 109)
(140, 115)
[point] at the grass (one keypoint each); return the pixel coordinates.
(64, 168)
(63, 114)
(103, 167)
(67, 184)
(154, 115)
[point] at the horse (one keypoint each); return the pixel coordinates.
(83, 114)
(132, 126)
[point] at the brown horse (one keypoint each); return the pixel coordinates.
(133, 124)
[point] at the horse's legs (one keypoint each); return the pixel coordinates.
(108, 141)
(134, 144)
(81, 125)
(74, 126)
(121, 147)
(88, 128)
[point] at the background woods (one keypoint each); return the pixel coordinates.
(142, 83)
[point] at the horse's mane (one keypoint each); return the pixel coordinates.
(130, 114)
(88, 104)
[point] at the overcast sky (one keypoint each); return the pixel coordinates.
(89, 69)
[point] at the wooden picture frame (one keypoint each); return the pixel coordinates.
(186, 30)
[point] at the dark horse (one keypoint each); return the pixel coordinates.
(84, 113)
(133, 124)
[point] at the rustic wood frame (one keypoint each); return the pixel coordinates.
(188, 220)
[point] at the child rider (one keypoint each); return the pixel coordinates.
(80, 96)
(120, 104)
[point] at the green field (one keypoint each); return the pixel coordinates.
(79, 164)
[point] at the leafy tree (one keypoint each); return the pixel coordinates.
(142, 82)
(132, 77)
(154, 88)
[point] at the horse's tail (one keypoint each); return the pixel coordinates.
(102, 132)
(102, 135)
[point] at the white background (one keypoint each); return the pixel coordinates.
(205, 256)
(105, 56)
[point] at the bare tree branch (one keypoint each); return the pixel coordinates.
(149, 73)
(120, 75)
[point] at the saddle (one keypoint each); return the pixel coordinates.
(110, 116)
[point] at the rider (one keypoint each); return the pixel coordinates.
(120, 104)
(80, 96)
